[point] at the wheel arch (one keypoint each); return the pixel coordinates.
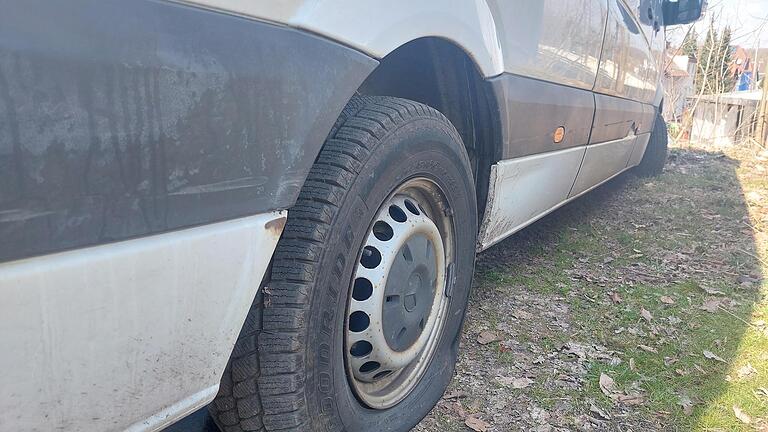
(440, 73)
(450, 37)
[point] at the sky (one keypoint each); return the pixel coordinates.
(748, 20)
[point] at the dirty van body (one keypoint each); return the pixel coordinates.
(273, 208)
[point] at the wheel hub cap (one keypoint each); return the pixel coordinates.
(409, 293)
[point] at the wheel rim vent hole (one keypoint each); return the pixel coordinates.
(397, 214)
(371, 257)
(382, 231)
(359, 321)
(412, 207)
(362, 290)
(361, 349)
(369, 366)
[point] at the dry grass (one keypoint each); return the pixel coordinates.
(636, 282)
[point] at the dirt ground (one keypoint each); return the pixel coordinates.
(641, 306)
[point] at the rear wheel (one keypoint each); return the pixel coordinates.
(655, 156)
(360, 321)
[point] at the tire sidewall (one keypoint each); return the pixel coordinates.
(655, 156)
(423, 147)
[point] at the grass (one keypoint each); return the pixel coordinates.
(698, 229)
(679, 368)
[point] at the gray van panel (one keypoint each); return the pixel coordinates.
(122, 119)
(615, 118)
(531, 110)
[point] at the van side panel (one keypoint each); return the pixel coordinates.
(124, 119)
(531, 110)
(557, 41)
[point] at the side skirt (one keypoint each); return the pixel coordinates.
(526, 189)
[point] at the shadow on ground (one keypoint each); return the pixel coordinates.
(654, 284)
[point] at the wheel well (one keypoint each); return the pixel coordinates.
(437, 73)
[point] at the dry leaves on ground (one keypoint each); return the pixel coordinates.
(746, 371)
(486, 337)
(687, 404)
(609, 388)
(712, 356)
(741, 415)
(646, 315)
(476, 424)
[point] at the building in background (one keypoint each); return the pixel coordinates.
(725, 119)
(678, 83)
(742, 68)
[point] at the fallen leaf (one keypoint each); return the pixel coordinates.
(686, 403)
(630, 399)
(741, 415)
(632, 363)
(521, 383)
(457, 409)
(522, 315)
(485, 337)
(646, 315)
(712, 356)
(476, 424)
(667, 300)
(609, 388)
(608, 385)
(615, 297)
(746, 371)
(761, 393)
(455, 395)
(711, 304)
(711, 291)
(647, 348)
(602, 415)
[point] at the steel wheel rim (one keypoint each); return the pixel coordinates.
(397, 306)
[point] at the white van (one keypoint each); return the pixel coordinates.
(274, 207)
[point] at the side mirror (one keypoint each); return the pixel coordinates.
(683, 11)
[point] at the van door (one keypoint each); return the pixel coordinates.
(626, 80)
(551, 51)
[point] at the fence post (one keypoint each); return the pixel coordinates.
(762, 117)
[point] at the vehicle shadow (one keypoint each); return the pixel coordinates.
(695, 245)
